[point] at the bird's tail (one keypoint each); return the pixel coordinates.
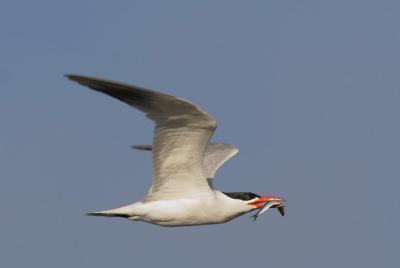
(124, 212)
(107, 214)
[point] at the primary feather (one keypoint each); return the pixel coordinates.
(181, 134)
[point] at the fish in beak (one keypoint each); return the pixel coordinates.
(260, 201)
(281, 208)
(265, 202)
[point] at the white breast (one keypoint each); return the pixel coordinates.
(206, 209)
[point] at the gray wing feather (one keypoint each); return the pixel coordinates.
(180, 137)
(215, 155)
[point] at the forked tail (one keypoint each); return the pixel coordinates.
(123, 212)
(107, 214)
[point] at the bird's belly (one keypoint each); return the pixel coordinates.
(183, 212)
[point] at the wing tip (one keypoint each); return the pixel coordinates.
(143, 147)
(75, 78)
(70, 76)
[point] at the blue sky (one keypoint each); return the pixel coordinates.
(308, 90)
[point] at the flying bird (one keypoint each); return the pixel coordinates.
(184, 163)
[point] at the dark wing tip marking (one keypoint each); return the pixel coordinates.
(158, 106)
(142, 147)
(130, 94)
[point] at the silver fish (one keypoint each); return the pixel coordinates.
(281, 209)
(268, 205)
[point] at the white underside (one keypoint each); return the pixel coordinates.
(208, 208)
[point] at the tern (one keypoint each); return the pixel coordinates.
(184, 163)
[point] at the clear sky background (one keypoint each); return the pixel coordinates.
(308, 90)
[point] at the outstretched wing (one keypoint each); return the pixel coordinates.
(181, 134)
(215, 155)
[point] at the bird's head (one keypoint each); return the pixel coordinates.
(254, 201)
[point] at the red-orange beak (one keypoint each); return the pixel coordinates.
(259, 203)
